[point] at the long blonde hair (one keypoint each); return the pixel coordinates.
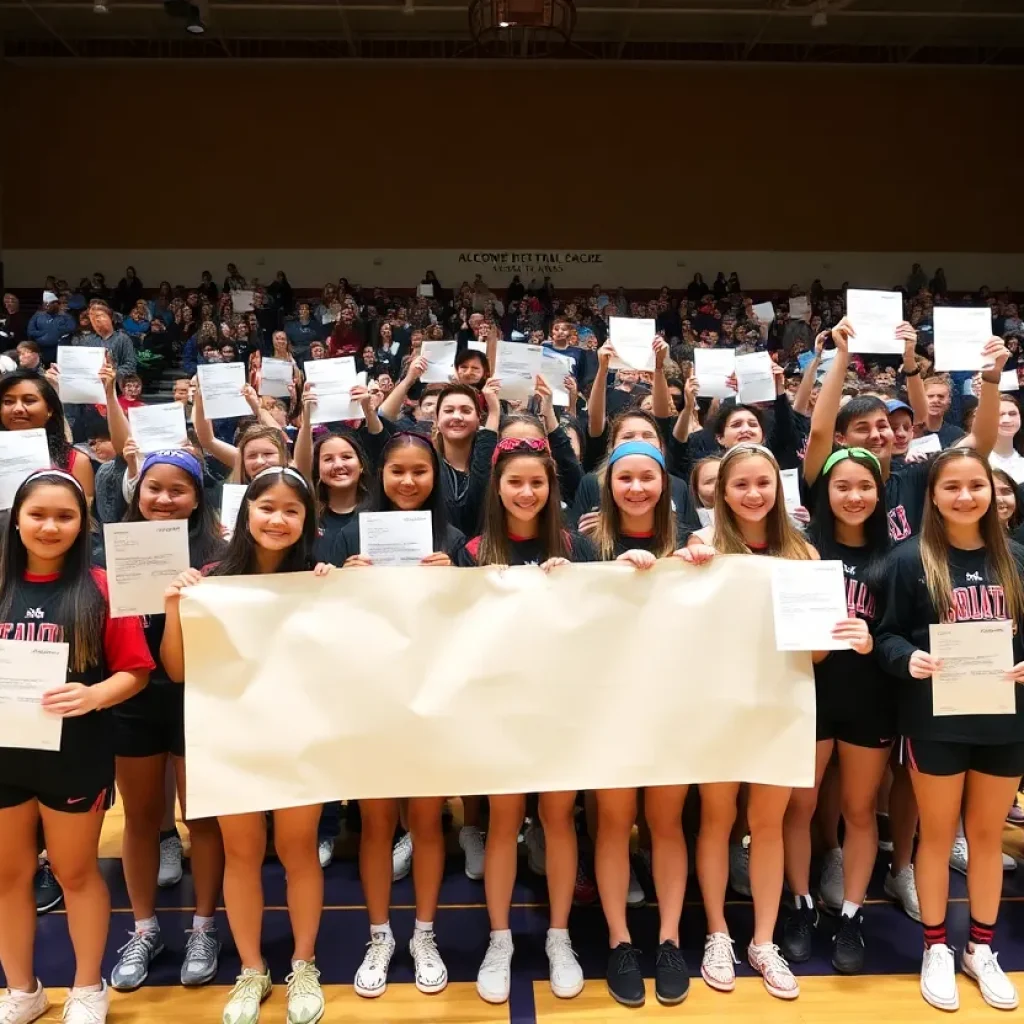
(935, 545)
(784, 540)
(258, 432)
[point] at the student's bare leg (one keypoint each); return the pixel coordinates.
(766, 810)
(141, 784)
(378, 831)
(717, 817)
(502, 849)
(18, 864)
(938, 801)
(616, 813)
(295, 840)
(556, 815)
(427, 853)
(245, 846)
(663, 806)
(861, 770)
(797, 825)
(206, 853)
(987, 799)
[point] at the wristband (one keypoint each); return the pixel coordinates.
(916, 372)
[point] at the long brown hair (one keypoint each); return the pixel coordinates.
(494, 545)
(257, 433)
(935, 544)
(784, 540)
(608, 531)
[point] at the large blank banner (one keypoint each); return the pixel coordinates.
(389, 682)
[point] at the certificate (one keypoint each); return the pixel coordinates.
(79, 382)
(755, 377)
(275, 376)
(425, 290)
(765, 312)
(712, 366)
(633, 341)
(791, 493)
(241, 301)
(809, 601)
(231, 496)
(440, 357)
(158, 427)
(875, 317)
(477, 346)
(396, 538)
(554, 369)
(960, 335)
(28, 669)
(333, 381)
(21, 452)
(800, 308)
(927, 444)
(142, 560)
(975, 659)
(517, 369)
(221, 386)
(1008, 381)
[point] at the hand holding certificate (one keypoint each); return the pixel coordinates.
(960, 335)
(28, 671)
(396, 538)
(79, 382)
(221, 385)
(332, 381)
(809, 601)
(971, 664)
(142, 559)
(756, 377)
(275, 376)
(713, 367)
(440, 356)
(517, 369)
(231, 496)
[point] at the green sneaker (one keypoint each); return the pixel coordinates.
(305, 997)
(251, 988)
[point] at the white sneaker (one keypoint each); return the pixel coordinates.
(23, 1007)
(401, 858)
(564, 969)
(958, 855)
(938, 978)
(902, 887)
(718, 966)
(536, 850)
(635, 892)
(471, 839)
(372, 976)
(739, 866)
(495, 975)
(305, 996)
(325, 851)
(1009, 863)
(170, 862)
(87, 1007)
(431, 973)
(830, 886)
(774, 970)
(983, 967)
(252, 987)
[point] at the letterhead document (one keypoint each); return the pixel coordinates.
(157, 427)
(926, 444)
(960, 335)
(517, 369)
(765, 312)
(875, 316)
(440, 357)
(975, 659)
(79, 381)
(333, 381)
(143, 559)
(809, 601)
(28, 670)
(554, 369)
(21, 452)
(633, 341)
(231, 496)
(755, 377)
(425, 290)
(396, 538)
(221, 385)
(1008, 381)
(242, 301)
(791, 490)
(275, 376)
(712, 366)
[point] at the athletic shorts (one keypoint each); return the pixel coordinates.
(947, 757)
(874, 735)
(152, 722)
(82, 802)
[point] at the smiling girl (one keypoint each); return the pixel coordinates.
(51, 594)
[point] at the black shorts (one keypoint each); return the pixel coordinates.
(867, 719)
(947, 757)
(152, 722)
(874, 735)
(87, 801)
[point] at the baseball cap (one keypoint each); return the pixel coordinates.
(894, 405)
(49, 297)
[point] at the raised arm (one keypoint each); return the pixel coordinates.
(391, 407)
(117, 421)
(826, 409)
(986, 420)
(802, 399)
(661, 399)
(912, 372)
(596, 404)
(226, 454)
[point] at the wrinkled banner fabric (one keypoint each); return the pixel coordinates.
(388, 682)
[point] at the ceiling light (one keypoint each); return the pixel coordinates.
(195, 25)
(99, 7)
(819, 19)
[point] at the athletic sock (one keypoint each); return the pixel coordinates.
(383, 930)
(201, 924)
(424, 926)
(935, 935)
(850, 909)
(981, 935)
(150, 924)
(803, 901)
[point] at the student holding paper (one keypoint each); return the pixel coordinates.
(29, 402)
(962, 568)
(149, 731)
(50, 593)
(523, 526)
(409, 480)
(280, 516)
(856, 711)
(750, 518)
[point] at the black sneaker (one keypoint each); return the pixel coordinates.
(671, 976)
(48, 891)
(625, 982)
(848, 945)
(798, 934)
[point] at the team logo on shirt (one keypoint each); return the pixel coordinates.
(34, 632)
(35, 613)
(860, 602)
(899, 524)
(849, 570)
(974, 577)
(978, 604)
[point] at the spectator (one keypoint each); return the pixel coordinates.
(98, 288)
(49, 327)
(697, 288)
(937, 285)
(303, 331)
(346, 339)
(13, 322)
(117, 343)
(29, 356)
(281, 292)
(208, 289)
(136, 324)
(128, 291)
(917, 280)
(234, 282)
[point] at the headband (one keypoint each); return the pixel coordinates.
(174, 457)
(636, 448)
(845, 453)
(284, 471)
(749, 448)
(412, 435)
(52, 471)
(523, 445)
